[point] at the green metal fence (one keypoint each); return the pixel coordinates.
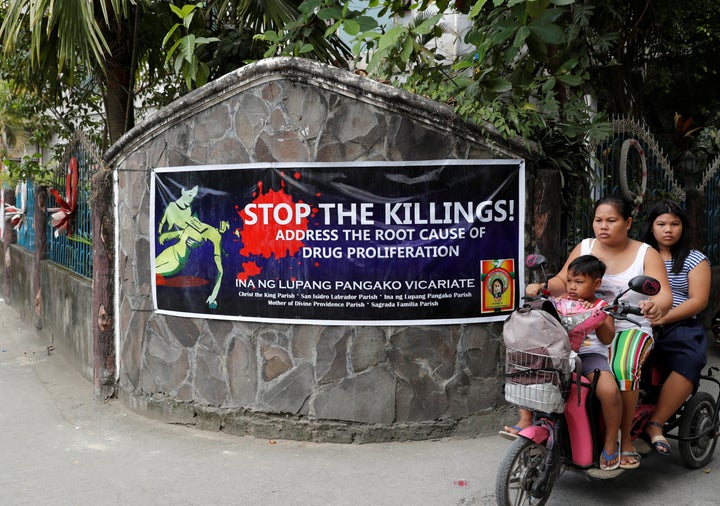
(72, 247)
(25, 198)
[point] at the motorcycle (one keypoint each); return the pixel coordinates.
(570, 437)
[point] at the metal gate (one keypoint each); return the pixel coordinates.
(631, 163)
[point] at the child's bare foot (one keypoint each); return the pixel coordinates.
(511, 432)
(609, 458)
(609, 461)
(629, 459)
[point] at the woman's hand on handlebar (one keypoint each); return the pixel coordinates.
(651, 311)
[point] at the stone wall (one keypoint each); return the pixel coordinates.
(333, 383)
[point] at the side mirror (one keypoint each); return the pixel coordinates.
(644, 285)
(535, 261)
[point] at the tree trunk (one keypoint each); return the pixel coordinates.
(119, 76)
(118, 101)
(119, 109)
(103, 285)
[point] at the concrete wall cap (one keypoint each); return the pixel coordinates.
(326, 77)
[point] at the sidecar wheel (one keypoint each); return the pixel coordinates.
(520, 469)
(696, 419)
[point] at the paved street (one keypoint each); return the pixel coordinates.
(61, 447)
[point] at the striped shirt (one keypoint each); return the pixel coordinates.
(679, 282)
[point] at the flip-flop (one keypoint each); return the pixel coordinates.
(659, 442)
(630, 465)
(661, 445)
(604, 455)
(507, 434)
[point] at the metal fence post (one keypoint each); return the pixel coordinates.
(695, 207)
(40, 253)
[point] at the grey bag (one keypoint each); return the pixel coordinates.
(537, 328)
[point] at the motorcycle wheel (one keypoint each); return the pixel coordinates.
(697, 417)
(520, 469)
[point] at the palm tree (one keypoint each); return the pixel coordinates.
(66, 39)
(62, 42)
(13, 127)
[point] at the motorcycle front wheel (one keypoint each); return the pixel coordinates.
(519, 476)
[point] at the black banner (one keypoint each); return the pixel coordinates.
(370, 242)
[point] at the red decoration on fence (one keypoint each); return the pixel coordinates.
(62, 215)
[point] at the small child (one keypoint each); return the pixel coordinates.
(584, 277)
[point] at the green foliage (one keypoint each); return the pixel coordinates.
(82, 239)
(184, 49)
(88, 64)
(667, 62)
(22, 130)
(307, 29)
(529, 70)
(52, 46)
(530, 65)
(402, 47)
(527, 75)
(27, 168)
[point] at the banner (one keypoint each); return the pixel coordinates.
(373, 243)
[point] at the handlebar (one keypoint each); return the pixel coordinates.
(620, 311)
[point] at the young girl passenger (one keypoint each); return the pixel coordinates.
(680, 345)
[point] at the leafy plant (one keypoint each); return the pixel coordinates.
(690, 148)
(307, 30)
(184, 49)
(22, 130)
(402, 47)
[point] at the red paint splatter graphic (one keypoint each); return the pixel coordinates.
(180, 281)
(273, 224)
(249, 269)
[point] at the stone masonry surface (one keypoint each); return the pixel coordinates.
(336, 383)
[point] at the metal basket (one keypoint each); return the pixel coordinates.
(536, 381)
